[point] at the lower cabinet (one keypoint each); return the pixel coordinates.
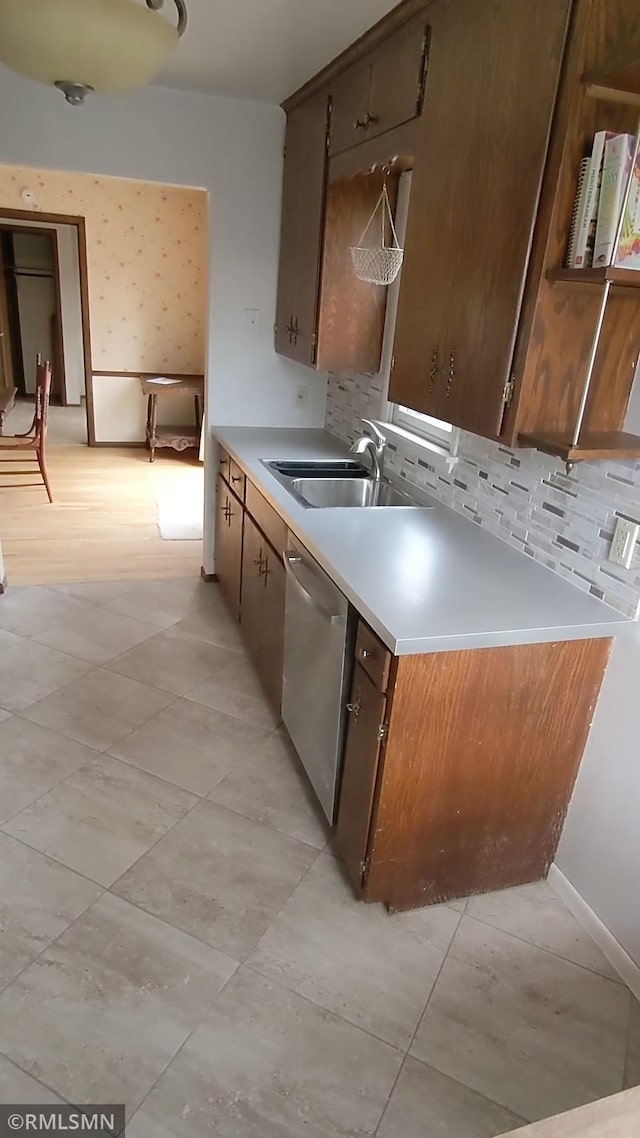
(366, 709)
(262, 610)
(459, 766)
(229, 518)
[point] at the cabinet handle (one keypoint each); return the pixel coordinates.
(452, 372)
(370, 120)
(293, 329)
(355, 708)
(364, 653)
(361, 124)
(435, 355)
(236, 478)
(259, 562)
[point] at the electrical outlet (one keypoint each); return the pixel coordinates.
(302, 392)
(624, 541)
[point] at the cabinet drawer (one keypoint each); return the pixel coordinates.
(266, 517)
(224, 464)
(231, 473)
(374, 657)
(236, 480)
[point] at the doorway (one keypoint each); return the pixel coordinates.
(41, 313)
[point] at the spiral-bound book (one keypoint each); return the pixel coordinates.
(586, 231)
(578, 210)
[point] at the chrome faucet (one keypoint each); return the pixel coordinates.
(374, 447)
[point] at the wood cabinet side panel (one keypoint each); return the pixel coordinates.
(352, 312)
(482, 754)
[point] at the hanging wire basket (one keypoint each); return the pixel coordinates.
(378, 264)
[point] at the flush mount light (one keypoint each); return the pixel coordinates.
(81, 46)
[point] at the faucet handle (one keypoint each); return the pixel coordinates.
(379, 439)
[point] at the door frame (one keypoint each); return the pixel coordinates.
(80, 225)
(53, 234)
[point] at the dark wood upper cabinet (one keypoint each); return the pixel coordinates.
(398, 76)
(303, 202)
(474, 195)
(384, 90)
(349, 107)
(492, 104)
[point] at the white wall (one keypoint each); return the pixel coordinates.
(71, 311)
(599, 850)
(232, 148)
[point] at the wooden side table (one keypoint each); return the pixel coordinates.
(7, 403)
(180, 437)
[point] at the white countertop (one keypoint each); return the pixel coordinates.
(426, 580)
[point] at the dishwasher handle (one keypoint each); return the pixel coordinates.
(296, 568)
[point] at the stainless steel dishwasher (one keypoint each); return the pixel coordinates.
(318, 652)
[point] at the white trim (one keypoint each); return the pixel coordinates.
(423, 447)
(618, 957)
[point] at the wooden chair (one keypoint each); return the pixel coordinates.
(35, 438)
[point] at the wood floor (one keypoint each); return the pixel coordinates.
(102, 523)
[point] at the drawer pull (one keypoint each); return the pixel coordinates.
(236, 478)
(361, 124)
(354, 708)
(365, 653)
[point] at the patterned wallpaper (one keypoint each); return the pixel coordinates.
(147, 253)
(526, 498)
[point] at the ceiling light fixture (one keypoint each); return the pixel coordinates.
(82, 46)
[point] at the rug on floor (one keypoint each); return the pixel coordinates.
(180, 518)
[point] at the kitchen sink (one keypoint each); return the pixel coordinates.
(348, 492)
(336, 482)
(332, 468)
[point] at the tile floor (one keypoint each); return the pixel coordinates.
(176, 934)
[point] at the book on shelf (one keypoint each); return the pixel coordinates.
(578, 210)
(618, 154)
(628, 251)
(587, 215)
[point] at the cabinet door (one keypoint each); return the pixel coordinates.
(228, 547)
(367, 708)
(398, 70)
(349, 107)
(270, 663)
(262, 611)
(251, 610)
(303, 195)
(473, 202)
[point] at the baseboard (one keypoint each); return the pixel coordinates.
(618, 957)
(207, 576)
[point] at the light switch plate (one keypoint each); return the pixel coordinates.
(624, 541)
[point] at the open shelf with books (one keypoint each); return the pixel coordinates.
(621, 278)
(576, 356)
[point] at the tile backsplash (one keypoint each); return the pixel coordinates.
(526, 498)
